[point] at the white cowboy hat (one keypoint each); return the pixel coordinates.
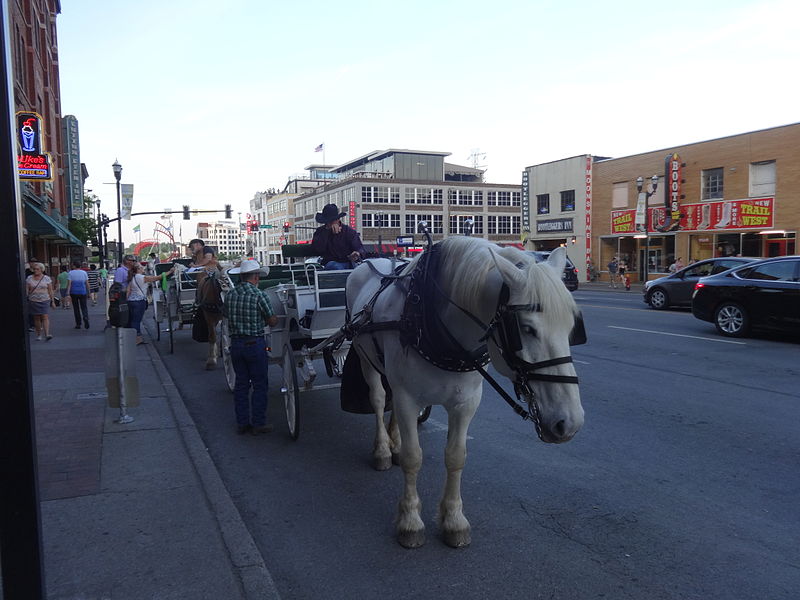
(247, 266)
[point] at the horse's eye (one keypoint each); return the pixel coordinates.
(529, 330)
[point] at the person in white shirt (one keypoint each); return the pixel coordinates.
(137, 296)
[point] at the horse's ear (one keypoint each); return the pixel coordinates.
(558, 259)
(513, 276)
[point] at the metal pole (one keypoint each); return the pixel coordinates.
(124, 417)
(646, 239)
(119, 219)
(100, 254)
(20, 519)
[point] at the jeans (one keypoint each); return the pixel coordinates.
(249, 358)
(78, 307)
(137, 308)
(334, 265)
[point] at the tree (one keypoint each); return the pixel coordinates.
(85, 229)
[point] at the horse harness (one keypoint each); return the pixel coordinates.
(421, 328)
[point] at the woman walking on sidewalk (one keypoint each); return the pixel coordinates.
(63, 282)
(137, 297)
(40, 297)
(78, 289)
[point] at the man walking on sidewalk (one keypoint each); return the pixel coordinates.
(613, 267)
(248, 310)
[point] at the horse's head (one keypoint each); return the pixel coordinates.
(531, 342)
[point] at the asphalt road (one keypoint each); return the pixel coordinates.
(682, 484)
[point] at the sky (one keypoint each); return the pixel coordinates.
(207, 102)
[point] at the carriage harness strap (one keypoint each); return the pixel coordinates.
(422, 328)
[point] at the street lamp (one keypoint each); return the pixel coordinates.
(118, 175)
(100, 255)
(648, 193)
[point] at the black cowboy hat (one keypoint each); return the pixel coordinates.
(330, 212)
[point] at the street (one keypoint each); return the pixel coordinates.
(682, 483)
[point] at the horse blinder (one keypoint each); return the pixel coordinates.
(578, 334)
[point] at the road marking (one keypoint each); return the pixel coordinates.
(583, 362)
(628, 308)
(696, 337)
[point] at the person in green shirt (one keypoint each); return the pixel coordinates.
(103, 276)
(63, 282)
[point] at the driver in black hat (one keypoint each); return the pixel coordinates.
(338, 245)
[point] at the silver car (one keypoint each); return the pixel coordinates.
(676, 289)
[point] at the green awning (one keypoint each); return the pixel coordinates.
(42, 225)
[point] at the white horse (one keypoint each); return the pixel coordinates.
(527, 330)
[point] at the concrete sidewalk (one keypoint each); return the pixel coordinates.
(130, 511)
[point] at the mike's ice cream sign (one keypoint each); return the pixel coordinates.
(33, 163)
(752, 213)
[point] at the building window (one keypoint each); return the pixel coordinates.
(762, 178)
(619, 195)
(568, 200)
(504, 224)
(438, 224)
(499, 198)
(477, 198)
(437, 196)
(516, 198)
(516, 225)
(712, 184)
(491, 222)
(542, 204)
(366, 219)
(411, 224)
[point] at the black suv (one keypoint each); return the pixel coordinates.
(570, 275)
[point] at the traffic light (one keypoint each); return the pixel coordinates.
(286, 227)
(186, 212)
(228, 212)
(253, 226)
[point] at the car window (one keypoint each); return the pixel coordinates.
(699, 271)
(777, 271)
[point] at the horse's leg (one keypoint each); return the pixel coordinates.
(452, 522)
(394, 437)
(409, 527)
(211, 323)
(381, 454)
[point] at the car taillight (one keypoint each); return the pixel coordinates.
(576, 270)
(699, 285)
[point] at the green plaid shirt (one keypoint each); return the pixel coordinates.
(247, 309)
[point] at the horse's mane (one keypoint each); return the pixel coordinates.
(466, 263)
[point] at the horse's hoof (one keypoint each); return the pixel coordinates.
(381, 463)
(395, 458)
(411, 539)
(211, 366)
(457, 539)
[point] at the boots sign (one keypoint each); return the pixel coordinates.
(672, 193)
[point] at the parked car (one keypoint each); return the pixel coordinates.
(677, 288)
(570, 275)
(764, 294)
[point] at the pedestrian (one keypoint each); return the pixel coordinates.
(613, 267)
(40, 297)
(339, 245)
(679, 264)
(78, 289)
(152, 261)
(248, 311)
(121, 274)
(137, 297)
(103, 275)
(63, 282)
(94, 283)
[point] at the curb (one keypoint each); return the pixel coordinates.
(248, 564)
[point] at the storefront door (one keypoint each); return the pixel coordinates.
(778, 247)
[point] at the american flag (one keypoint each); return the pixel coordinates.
(319, 148)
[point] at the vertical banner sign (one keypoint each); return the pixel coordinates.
(33, 163)
(352, 213)
(72, 166)
(526, 205)
(641, 211)
(127, 200)
(588, 211)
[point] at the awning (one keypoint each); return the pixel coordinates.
(42, 225)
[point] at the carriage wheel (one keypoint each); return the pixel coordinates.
(225, 353)
(291, 391)
(423, 415)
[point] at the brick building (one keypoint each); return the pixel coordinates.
(34, 51)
